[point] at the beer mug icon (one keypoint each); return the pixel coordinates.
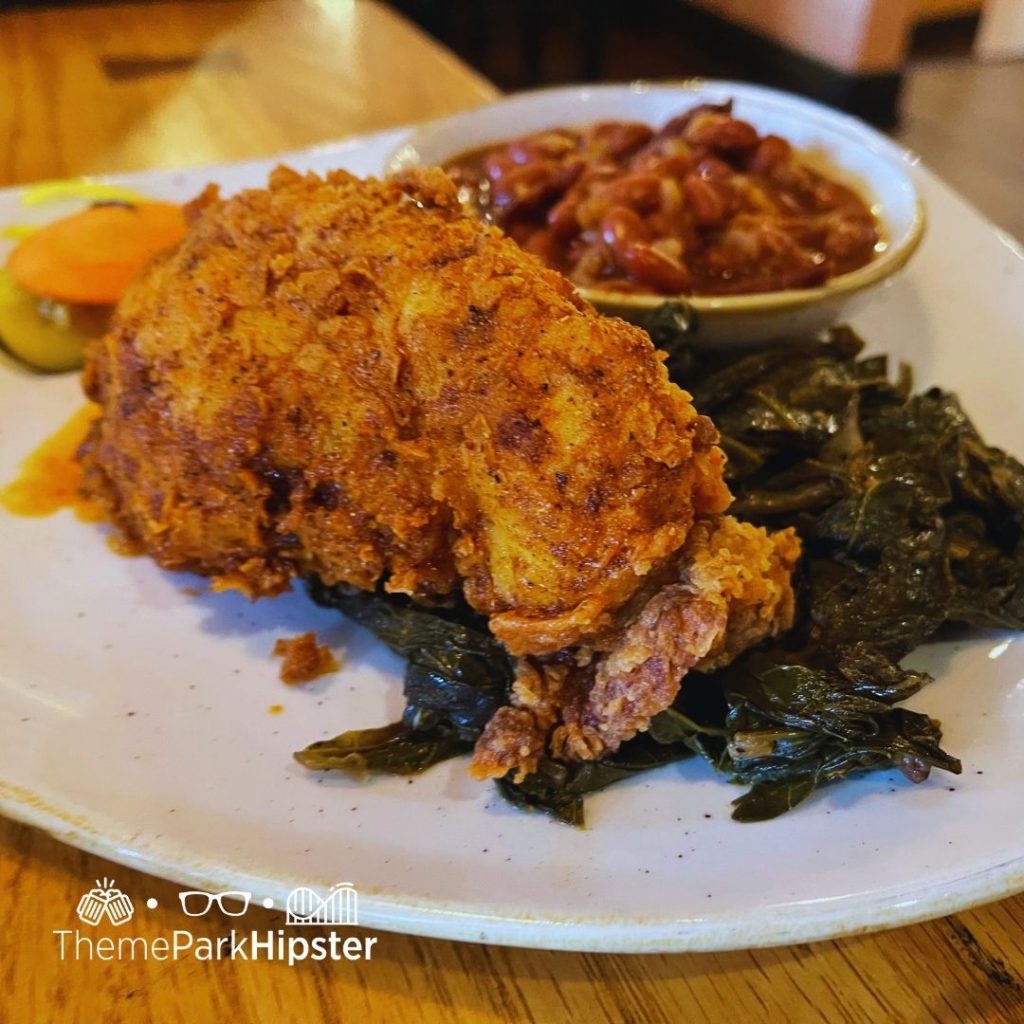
(105, 900)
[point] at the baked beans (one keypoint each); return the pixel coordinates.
(703, 206)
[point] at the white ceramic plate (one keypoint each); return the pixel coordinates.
(135, 717)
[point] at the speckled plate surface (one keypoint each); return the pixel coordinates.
(135, 714)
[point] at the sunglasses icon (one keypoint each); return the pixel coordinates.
(195, 903)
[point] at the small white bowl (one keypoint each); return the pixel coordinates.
(844, 148)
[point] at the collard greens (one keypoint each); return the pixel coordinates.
(909, 521)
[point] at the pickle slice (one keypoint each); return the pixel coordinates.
(46, 336)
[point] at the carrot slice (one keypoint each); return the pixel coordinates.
(91, 256)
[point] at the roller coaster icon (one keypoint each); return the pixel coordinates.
(340, 906)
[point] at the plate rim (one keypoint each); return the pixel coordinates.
(495, 924)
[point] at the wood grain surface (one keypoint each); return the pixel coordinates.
(959, 970)
(115, 88)
(119, 88)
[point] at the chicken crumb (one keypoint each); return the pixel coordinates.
(304, 658)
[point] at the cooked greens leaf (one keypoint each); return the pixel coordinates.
(394, 749)
(899, 739)
(558, 788)
(806, 726)
(766, 800)
(457, 674)
(456, 677)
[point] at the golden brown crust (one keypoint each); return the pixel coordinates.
(353, 379)
(728, 590)
(304, 659)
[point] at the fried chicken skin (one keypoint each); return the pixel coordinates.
(354, 379)
(726, 590)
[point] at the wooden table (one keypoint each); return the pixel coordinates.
(87, 90)
(103, 89)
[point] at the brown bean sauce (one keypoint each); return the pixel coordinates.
(703, 206)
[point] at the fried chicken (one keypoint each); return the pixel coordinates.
(303, 659)
(726, 590)
(356, 380)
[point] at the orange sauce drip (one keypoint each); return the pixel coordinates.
(275, 709)
(49, 477)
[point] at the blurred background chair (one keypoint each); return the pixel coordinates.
(852, 54)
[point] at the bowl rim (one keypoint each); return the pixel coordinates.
(898, 158)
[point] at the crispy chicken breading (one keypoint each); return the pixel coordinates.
(726, 590)
(354, 379)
